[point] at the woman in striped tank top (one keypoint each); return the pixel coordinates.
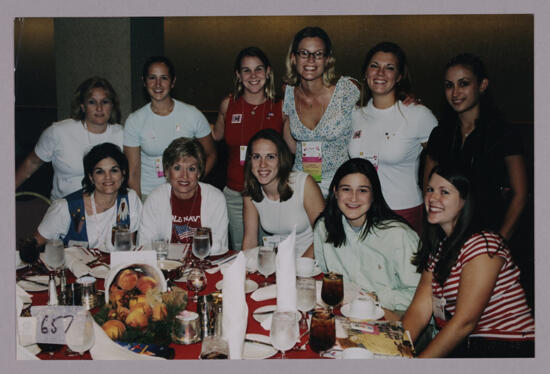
(469, 282)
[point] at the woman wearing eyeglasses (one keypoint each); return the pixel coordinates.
(317, 106)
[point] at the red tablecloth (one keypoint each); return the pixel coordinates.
(192, 351)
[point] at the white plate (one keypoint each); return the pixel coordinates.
(249, 285)
(378, 313)
(262, 317)
(219, 253)
(33, 287)
(99, 271)
(316, 271)
(256, 351)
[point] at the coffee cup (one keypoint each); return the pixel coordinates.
(363, 307)
(304, 266)
(357, 352)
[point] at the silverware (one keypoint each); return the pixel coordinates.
(33, 281)
(223, 260)
(258, 342)
(265, 312)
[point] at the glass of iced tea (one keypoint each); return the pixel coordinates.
(332, 291)
(322, 333)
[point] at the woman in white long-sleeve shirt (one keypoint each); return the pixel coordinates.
(174, 210)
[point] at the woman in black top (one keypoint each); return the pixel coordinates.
(473, 137)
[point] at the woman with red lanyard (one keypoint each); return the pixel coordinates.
(250, 108)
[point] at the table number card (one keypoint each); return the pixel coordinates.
(53, 322)
(133, 257)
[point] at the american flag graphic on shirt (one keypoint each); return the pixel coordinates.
(184, 232)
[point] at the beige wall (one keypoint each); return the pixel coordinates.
(203, 49)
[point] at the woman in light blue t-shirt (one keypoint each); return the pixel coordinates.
(149, 130)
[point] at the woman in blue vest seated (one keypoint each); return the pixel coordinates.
(89, 214)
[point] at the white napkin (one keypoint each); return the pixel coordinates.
(28, 336)
(235, 310)
(251, 259)
(265, 293)
(106, 349)
(76, 259)
(286, 274)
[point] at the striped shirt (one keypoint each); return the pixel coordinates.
(507, 315)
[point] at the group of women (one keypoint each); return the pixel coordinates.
(352, 188)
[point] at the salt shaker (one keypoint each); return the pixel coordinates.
(52, 291)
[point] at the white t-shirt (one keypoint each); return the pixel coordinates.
(57, 220)
(153, 133)
(391, 139)
(64, 144)
(279, 218)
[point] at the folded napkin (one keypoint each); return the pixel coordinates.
(286, 274)
(76, 259)
(106, 349)
(265, 293)
(251, 259)
(235, 310)
(25, 334)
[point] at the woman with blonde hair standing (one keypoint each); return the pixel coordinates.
(317, 106)
(95, 115)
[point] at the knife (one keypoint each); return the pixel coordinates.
(258, 342)
(33, 281)
(265, 312)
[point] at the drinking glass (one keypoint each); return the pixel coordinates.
(332, 291)
(284, 331)
(266, 262)
(54, 254)
(201, 244)
(196, 281)
(161, 248)
(214, 348)
(306, 296)
(123, 240)
(80, 336)
(322, 333)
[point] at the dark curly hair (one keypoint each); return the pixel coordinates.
(101, 152)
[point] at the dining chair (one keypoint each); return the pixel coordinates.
(30, 208)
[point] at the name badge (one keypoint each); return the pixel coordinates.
(312, 159)
(271, 241)
(158, 167)
(178, 127)
(236, 118)
(242, 154)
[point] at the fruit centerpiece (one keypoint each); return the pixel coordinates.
(137, 310)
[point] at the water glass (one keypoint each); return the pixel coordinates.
(322, 333)
(123, 240)
(54, 254)
(161, 248)
(80, 336)
(306, 296)
(284, 331)
(201, 243)
(266, 262)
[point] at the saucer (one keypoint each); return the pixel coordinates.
(249, 285)
(378, 313)
(316, 271)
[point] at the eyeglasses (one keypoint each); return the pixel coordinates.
(305, 54)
